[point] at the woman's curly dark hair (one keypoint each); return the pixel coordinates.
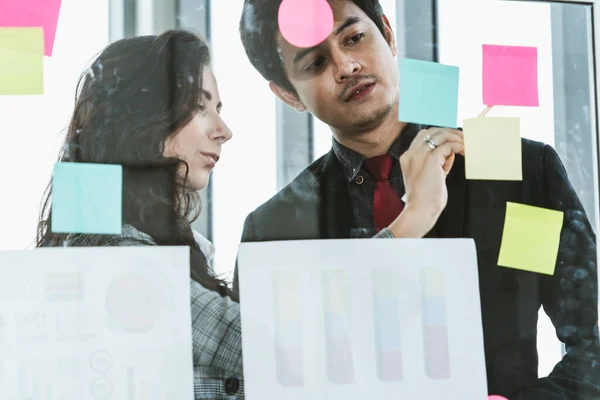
(137, 93)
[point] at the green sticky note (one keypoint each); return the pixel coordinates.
(531, 238)
(493, 149)
(21, 61)
(428, 93)
(87, 198)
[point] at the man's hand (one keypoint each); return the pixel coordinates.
(424, 170)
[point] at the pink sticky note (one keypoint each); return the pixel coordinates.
(510, 76)
(305, 23)
(32, 13)
(496, 397)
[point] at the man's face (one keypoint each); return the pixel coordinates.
(350, 81)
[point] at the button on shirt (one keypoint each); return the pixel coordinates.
(361, 185)
(232, 385)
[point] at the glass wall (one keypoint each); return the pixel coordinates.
(563, 36)
(33, 126)
(247, 177)
(271, 144)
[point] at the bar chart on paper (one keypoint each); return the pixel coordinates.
(355, 327)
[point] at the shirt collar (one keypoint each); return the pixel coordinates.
(352, 162)
(205, 246)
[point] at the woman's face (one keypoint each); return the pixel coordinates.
(199, 142)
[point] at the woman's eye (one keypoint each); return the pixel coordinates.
(201, 107)
(356, 38)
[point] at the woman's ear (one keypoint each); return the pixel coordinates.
(287, 97)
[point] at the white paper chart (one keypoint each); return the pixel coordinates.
(361, 319)
(95, 324)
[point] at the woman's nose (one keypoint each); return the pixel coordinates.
(222, 131)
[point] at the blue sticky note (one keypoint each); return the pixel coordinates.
(428, 93)
(87, 198)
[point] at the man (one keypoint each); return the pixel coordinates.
(351, 82)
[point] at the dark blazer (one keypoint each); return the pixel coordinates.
(316, 205)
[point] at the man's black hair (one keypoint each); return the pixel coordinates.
(258, 29)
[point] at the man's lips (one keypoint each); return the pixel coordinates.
(357, 89)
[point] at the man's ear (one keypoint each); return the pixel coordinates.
(287, 97)
(388, 33)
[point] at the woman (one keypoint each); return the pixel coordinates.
(151, 104)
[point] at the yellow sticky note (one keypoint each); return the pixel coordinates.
(21, 61)
(531, 238)
(493, 149)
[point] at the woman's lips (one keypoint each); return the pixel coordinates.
(211, 158)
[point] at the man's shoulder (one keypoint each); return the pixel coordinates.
(293, 213)
(303, 189)
(532, 147)
(536, 157)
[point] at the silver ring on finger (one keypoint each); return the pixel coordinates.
(430, 142)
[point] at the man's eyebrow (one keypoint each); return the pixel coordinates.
(348, 22)
(304, 52)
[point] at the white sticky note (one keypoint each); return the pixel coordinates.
(493, 149)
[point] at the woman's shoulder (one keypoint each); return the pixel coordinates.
(129, 236)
